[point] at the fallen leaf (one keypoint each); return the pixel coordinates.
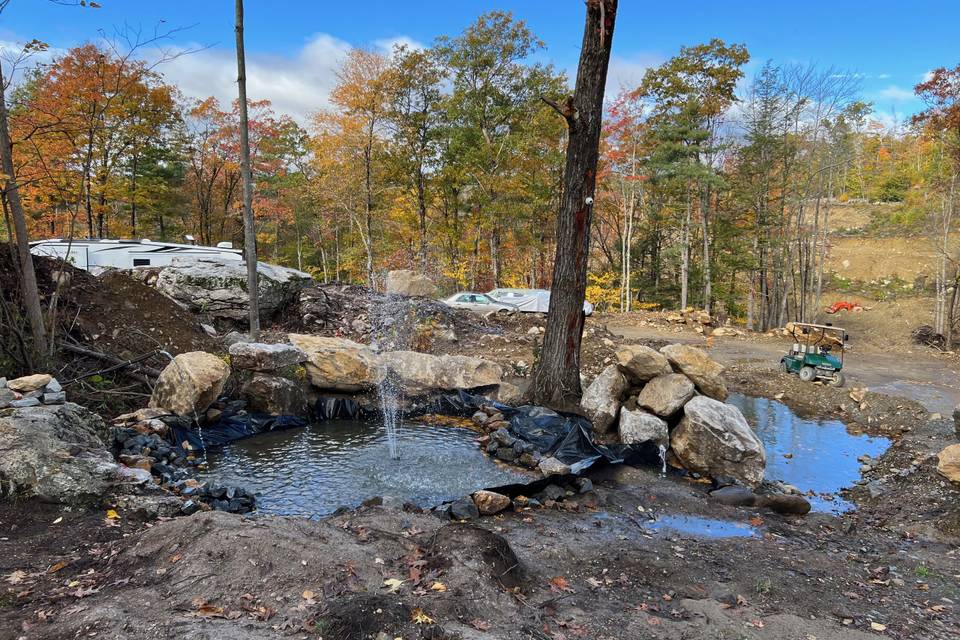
(593, 582)
(308, 595)
(755, 521)
(439, 587)
(16, 577)
(112, 514)
(393, 584)
(419, 617)
(560, 584)
(58, 520)
(480, 625)
(58, 566)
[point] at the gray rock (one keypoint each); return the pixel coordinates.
(503, 437)
(53, 386)
(54, 398)
(639, 427)
(956, 420)
(508, 394)
(25, 402)
(642, 363)
(584, 485)
(421, 373)
(6, 397)
(209, 330)
(219, 287)
(507, 454)
(464, 509)
(601, 400)
(54, 453)
(259, 356)
(666, 395)
(233, 337)
(553, 467)
(714, 439)
(694, 363)
(552, 492)
(275, 395)
(3, 383)
(409, 283)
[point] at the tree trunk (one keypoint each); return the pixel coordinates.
(249, 232)
(685, 255)
(28, 278)
(705, 230)
(556, 378)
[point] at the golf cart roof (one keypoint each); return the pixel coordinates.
(827, 327)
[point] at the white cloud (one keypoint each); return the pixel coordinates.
(297, 85)
(626, 72)
(896, 94)
(883, 76)
(386, 45)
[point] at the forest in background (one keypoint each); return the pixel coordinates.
(713, 187)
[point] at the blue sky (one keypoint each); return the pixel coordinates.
(293, 45)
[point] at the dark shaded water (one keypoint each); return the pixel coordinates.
(312, 471)
(824, 454)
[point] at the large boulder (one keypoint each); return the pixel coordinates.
(275, 395)
(639, 427)
(55, 454)
(714, 439)
(948, 463)
(219, 287)
(665, 395)
(641, 363)
(421, 373)
(338, 364)
(694, 363)
(601, 400)
(409, 283)
(258, 356)
(190, 383)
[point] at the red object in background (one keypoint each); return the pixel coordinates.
(843, 305)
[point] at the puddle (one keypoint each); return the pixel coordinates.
(703, 527)
(312, 471)
(824, 454)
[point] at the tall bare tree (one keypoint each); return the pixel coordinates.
(249, 232)
(556, 378)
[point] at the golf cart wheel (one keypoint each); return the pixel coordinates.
(783, 367)
(837, 380)
(808, 374)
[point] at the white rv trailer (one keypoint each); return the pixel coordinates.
(97, 255)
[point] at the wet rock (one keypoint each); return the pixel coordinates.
(338, 364)
(507, 454)
(785, 504)
(642, 363)
(601, 400)
(553, 467)
(666, 395)
(714, 439)
(54, 453)
(258, 356)
(734, 496)
(275, 395)
(490, 502)
(503, 438)
(694, 363)
(480, 417)
(189, 385)
(409, 283)
(530, 460)
(948, 463)
(464, 509)
(219, 287)
(30, 383)
(131, 475)
(639, 427)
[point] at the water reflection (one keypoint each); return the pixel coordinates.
(314, 470)
(823, 453)
(703, 527)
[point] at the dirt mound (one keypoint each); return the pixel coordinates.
(349, 576)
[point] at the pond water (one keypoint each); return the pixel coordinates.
(823, 453)
(703, 527)
(314, 470)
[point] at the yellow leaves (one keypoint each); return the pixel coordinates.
(16, 577)
(419, 617)
(392, 585)
(438, 587)
(58, 566)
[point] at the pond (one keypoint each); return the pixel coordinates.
(312, 471)
(822, 453)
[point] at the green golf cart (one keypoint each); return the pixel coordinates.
(817, 352)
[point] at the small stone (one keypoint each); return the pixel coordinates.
(3, 383)
(54, 398)
(24, 402)
(209, 330)
(464, 509)
(503, 437)
(552, 492)
(584, 485)
(53, 386)
(552, 467)
(480, 417)
(30, 383)
(507, 454)
(490, 502)
(6, 397)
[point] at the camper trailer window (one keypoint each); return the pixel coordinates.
(141, 262)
